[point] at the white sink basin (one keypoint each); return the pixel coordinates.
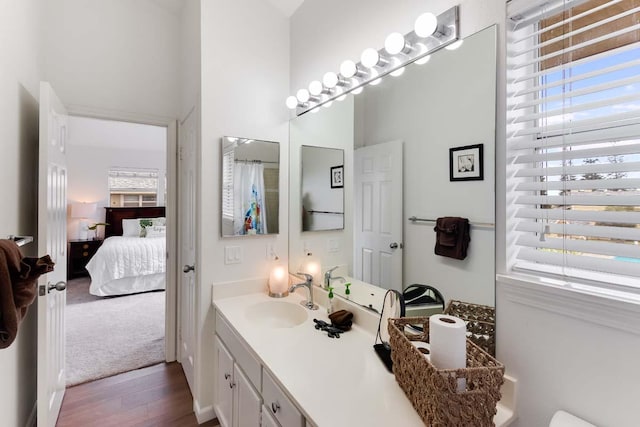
(276, 314)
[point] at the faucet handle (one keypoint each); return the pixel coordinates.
(306, 276)
(331, 270)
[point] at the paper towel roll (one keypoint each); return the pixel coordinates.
(448, 343)
(423, 348)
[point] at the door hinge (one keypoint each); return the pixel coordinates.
(180, 149)
(42, 290)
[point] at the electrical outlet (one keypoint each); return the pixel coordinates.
(232, 255)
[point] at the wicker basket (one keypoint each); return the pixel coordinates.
(433, 392)
(480, 320)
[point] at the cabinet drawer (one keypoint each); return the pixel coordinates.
(239, 351)
(279, 404)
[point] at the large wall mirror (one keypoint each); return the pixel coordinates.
(397, 139)
(250, 180)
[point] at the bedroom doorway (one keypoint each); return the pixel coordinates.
(121, 297)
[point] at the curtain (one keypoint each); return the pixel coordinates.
(248, 199)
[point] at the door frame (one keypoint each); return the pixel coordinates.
(171, 124)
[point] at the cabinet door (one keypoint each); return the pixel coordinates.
(224, 385)
(248, 401)
(267, 419)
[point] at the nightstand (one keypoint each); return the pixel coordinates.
(79, 252)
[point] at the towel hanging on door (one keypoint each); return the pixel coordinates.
(452, 237)
(18, 276)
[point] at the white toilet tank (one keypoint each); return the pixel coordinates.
(564, 419)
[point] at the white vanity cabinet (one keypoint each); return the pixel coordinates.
(240, 377)
(237, 402)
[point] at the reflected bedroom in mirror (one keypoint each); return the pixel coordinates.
(250, 179)
(397, 137)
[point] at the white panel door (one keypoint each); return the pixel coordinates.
(378, 214)
(52, 240)
(223, 398)
(187, 138)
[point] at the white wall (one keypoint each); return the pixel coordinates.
(20, 72)
(95, 146)
(245, 63)
(556, 357)
(449, 102)
(114, 57)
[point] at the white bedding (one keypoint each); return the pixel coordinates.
(126, 265)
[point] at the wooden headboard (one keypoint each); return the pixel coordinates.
(114, 217)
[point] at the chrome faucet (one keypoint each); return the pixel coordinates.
(308, 283)
(328, 278)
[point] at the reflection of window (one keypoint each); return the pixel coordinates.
(131, 187)
(574, 138)
(227, 183)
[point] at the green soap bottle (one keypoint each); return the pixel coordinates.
(347, 291)
(330, 305)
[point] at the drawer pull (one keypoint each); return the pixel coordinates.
(85, 246)
(275, 407)
(227, 376)
(232, 385)
(85, 253)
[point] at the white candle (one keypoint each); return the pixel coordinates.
(278, 280)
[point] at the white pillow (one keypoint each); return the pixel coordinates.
(156, 231)
(131, 228)
(160, 221)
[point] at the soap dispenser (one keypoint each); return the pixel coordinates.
(330, 304)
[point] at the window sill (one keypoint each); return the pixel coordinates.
(607, 308)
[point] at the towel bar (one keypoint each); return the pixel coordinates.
(472, 223)
(21, 240)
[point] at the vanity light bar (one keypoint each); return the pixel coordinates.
(374, 65)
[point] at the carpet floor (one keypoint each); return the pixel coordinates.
(110, 335)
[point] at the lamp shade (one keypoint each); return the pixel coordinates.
(83, 210)
(278, 282)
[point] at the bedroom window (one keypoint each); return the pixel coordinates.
(573, 140)
(133, 187)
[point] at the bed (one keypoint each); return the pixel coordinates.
(126, 263)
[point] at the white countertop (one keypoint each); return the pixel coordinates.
(335, 382)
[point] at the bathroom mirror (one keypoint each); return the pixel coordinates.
(250, 195)
(403, 132)
(322, 185)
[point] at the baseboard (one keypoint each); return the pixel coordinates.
(33, 416)
(203, 414)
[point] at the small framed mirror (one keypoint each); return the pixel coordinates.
(250, 187)
(322, 188)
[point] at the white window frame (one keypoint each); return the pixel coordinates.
(593, 284)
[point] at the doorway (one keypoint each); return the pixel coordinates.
(120, 308)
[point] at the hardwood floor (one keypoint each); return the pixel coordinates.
(153, 396)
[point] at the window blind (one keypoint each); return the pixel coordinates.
(573, 138)
(228, 159)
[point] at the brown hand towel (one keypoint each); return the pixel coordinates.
(452, 237)
(341, 319)
(18, 278)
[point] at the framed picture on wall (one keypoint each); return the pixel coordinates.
(466, 163)
(337, 176)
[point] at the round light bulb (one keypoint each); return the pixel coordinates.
(370, 57)
(357, 90)
(327, 104)
(426, 25)
(398, 72)
(376, 82)
(423, 60)
(330, 79)
(348, 69)
(341, 97)
(303, 95)
(315, 88)
(292, 102)
(394, 43)
(454, 45)
(315, 110)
